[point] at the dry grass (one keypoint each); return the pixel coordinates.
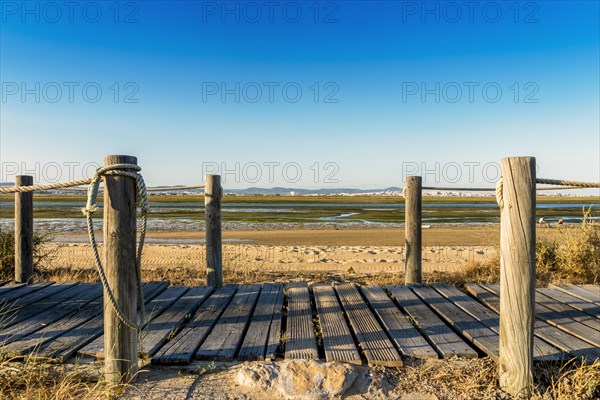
(478, 379)
(41, 254)
(572, 255)
(28, 380)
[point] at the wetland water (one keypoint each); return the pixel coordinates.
(65, 216)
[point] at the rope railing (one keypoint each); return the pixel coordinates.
(35, 188)
(70, 187)
(90, 208)
(544, 181)
(493, 189)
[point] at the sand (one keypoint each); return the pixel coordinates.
(327, 250)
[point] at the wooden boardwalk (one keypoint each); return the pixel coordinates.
(341, 322)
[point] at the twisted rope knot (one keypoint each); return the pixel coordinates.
(142, 202)
(115, 169)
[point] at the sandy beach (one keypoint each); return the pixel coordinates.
(323, 250)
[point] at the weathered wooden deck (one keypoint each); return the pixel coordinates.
(343, 322)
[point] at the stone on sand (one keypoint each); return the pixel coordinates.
(300, 379)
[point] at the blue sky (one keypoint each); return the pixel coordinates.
(301, 94)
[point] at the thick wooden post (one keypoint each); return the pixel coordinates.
(24, 231)
(120, 341)
(517, 275)
(214, 255)
(412, 227)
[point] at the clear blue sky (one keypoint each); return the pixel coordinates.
(369, 119)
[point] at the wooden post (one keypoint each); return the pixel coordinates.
(24, 231)
(214, 255)
(120, 341)
(412, 227)
(517, 275)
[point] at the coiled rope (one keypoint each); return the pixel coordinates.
(142, 202)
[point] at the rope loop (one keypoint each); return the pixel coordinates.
(142, 202)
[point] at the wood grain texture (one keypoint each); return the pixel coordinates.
(269, 306)
(560, 320)
(481, 336)
(120, 341)
(446, 342)
(57, 322)
(24, 231)
(412, 209)
(274, 339)
(165, 326)
(542, 351)
(568, 300)
(153, 308)
(183, 347)
(372, 339)
(337, 338)
(15, 298)
(35, 318)
(67, 345)
(593, 289)
(579, 291)
(551, 334)
(36, 303)
(213, 194)
(300, 341)
(226, 337)
(408, 340)
(517, 275)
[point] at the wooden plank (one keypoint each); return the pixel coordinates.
(70, 321)
(31, 293)
(66, 345)
(36, 303)
(559, 338)
(183, 347)
(542, 351)
(481, 336)
(578, 292)
(255, 341)
(554, 318)
(557, 307)
(408, 340)
(586, 307)
(96, 347)
(337, 338)
(372, 339)
(593, 289)
(65, 303)
(226, 337)
(300, 341)
(164, 327)
(6, 287)
(440, 336)
(274, 339)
